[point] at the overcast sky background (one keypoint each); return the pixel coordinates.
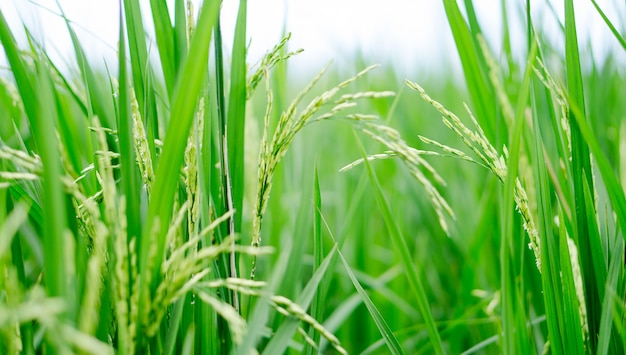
(411, 35)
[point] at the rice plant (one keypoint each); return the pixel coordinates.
(194, 201)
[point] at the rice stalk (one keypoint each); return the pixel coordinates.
(281, 304)
(480, 145)
(268, 62)
(413, 160)
(288, 308)
(289, 124)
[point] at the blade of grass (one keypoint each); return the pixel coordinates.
(506, 44)
(42, 119)
(613, 186)
(165, 42)
(96, 103)
(142, 73)
(595, 243)
(220, 191)
(581, 166)
(402, 249)
(608, 22)
(129, 178)
(188, 344)
(553, 293)
(381, 324)
(514, 322)
(572, 326)
(605, 340)
(175, 322)
(280, 339)
(130, 183)
(550, 264)
(301, 230)
(74, 134)
(233, 151)
(237, 112)
(54, 220)
(180, 33)
(261, 312)
(476, 79)
(18, 68)
(317, 308)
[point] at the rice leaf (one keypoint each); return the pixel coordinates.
(181, 31)
(237, 114)
(476, 78)
(317, 307)
(96, 104)
(573, 327)
(581, 168)
(514, 320)
(129, 178)
(608, 22)
(55, 230)
(606, 340)
(142, 82)
(165, 42)
(279, 341)
(401, 248)
(261, 312)
(383, 327)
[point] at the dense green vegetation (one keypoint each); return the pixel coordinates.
(201, 204)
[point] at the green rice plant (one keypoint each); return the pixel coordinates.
(185, 201)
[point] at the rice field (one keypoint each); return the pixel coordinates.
(195, 200)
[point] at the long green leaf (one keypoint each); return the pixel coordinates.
(280, 339)
(381, 324)
(54, 233)
(515, 335)
(18, 68)
(180, 33)
(401, 248)
(165, 42)
(605, 340)
(572, 326)
(261, 312)
(220, 191)
(581, 173)
(552, 292)
(550, 262)
(608, 22)
(237, 114)
(613, 186)
(142, 73)
(317, 308)
(95, 103)
(41, 112)
(129, 175)
(475, 77)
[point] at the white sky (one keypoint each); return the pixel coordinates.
(412, 35)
